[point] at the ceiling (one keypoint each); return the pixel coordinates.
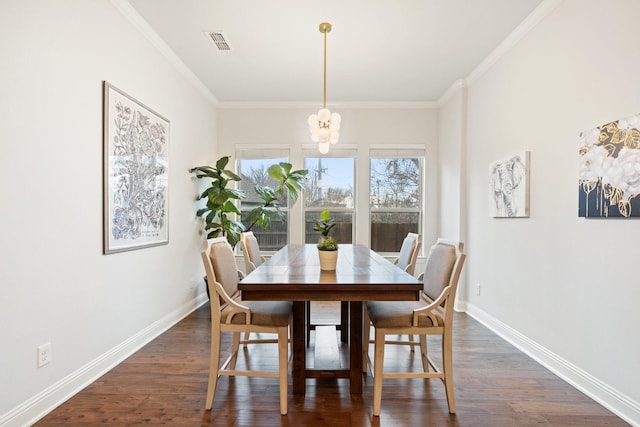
(378, 50)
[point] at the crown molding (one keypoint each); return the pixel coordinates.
(125, 8)
(347, 105)
(457, 86)
(513, 39)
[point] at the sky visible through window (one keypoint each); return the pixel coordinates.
(335, 172)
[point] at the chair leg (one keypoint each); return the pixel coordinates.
(423, 353)
(214, 364)
(234, 350)
(447, 369)
(411, 340)
(378, 368)
(366, 332)
(283, 362)
(247, 335)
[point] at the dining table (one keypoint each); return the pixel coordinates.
(293, 274)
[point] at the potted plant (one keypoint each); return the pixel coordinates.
(219, 201)
(327, 246)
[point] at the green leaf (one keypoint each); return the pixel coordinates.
(235, 194)
(266, 194)
(229, 207)
(293, 192)
(232, 175)
(214, 233)
(277, 172)
(222, 162)
(286, 168)
(254, 215)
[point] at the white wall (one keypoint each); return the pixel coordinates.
(56, 286)
(564, 288)
(451, 161)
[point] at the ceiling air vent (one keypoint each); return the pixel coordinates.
(218, 40)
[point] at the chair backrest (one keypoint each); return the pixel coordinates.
(220, 266)
(251, 251)
(409, 252)
(443, 267)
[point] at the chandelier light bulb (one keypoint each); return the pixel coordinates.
(333, 136)
(324, 147)
(313, 121)
(324, 115)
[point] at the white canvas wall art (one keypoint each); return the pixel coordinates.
(509, 187)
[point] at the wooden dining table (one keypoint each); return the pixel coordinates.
(293, 274)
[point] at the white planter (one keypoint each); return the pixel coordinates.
(328, 260)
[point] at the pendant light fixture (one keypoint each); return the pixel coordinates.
(325, 125)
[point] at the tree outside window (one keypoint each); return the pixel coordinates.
(395, 200)
(252, 172)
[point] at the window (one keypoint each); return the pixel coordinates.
(330, 186)
(253, 171)
(395, 199)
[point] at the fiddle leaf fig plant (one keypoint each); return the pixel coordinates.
(219, 201)
(324, 226)
(291, 181)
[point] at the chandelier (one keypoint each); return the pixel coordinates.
(325, 125)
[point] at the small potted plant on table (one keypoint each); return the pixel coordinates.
(327, 246)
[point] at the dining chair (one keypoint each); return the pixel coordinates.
(409, 250)
(432, 315)
(406, 260)
(229, 313)
(252, 259)
(251, 251)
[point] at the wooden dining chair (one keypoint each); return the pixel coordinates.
(432, 315)
(406, 260)
(229, 313)
(251, 251)
(409, 251)
(252, 259)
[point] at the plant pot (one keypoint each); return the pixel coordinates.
(328, 260)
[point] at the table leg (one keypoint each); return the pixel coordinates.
(344, 321)
(355, 347)
(299, 367)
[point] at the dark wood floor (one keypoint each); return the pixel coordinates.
(165, 384)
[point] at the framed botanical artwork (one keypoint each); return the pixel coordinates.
(609, 176)
(509, 187)
(135, 174)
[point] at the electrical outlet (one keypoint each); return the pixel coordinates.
(478, 289)
(44, 354)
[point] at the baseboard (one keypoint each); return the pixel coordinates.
(48, 399)
(618, 403)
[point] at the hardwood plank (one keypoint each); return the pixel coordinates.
(165, 384)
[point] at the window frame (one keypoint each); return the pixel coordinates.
(340, 153)
(399, 153)
(250, 153)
